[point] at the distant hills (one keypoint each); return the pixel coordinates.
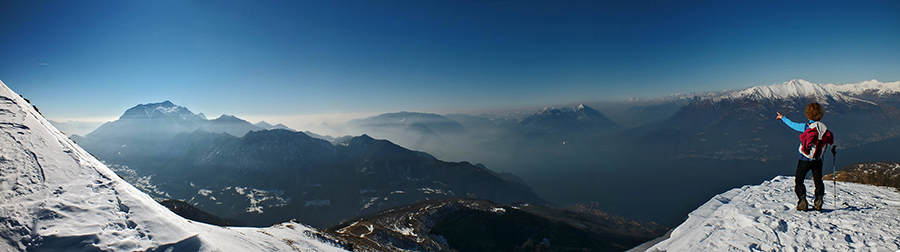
(478, 225)
(265, 125)
(869, 173)
(267, 176)
(565, 121)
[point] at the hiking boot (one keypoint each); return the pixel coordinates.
(817, 204)
(802, 205)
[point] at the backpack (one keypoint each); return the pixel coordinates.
(813, 141)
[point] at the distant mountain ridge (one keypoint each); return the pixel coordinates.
(580, 120)
(788, 90)
(791, 88)
(265, 125)
(159, 110)
(435, 122)
(297, 176)
(704, 126)
(870, 86)
(419, 131)
(165, 119)
(269, 176)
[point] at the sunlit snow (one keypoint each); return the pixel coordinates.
(763, 218)
(57, 196)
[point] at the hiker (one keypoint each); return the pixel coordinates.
(813, 142)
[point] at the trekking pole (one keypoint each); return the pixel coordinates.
(834, 172)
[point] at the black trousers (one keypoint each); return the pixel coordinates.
(804, 167)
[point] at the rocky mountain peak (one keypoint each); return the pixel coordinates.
(229, 118)
(158, 110)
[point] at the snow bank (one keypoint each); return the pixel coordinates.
(763, 218)
(56, 196)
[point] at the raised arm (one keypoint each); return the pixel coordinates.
(800, 127)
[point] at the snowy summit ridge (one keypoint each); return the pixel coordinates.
(788, 90)
(763, 218)
(56, 196)
(874, 86)
(797, 88)
(155, 110)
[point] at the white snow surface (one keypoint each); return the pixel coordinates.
(797, 88)
(791, 89)
(763, 218)
(55, 196)
(871, 85)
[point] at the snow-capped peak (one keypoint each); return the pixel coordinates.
(56, 196)
(763, 218)
(797, 88)
(874, 86)
(160, 109)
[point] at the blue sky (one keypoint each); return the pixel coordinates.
(91, 60)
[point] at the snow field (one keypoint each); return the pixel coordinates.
(763, 218)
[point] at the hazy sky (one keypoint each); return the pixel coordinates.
(91, 60)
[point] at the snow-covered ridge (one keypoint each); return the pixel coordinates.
(160, 109)
(763, 218)
(165, 108)
(54, 195)
(799, 88)
(865, 86)
(790, 89)
(796, 88)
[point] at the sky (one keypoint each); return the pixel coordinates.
(299, 62)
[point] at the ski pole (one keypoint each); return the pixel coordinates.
(834, 172)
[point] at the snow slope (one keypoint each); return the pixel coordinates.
(56, 196)
(762, 218)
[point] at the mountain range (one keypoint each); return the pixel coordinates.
(164, 119)
(739, 124)
(602, 141)
(57, 197)
(712, 135)
(269, 176)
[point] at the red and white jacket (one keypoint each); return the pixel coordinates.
(814, 140)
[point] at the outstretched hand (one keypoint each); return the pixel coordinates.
(779, 115)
